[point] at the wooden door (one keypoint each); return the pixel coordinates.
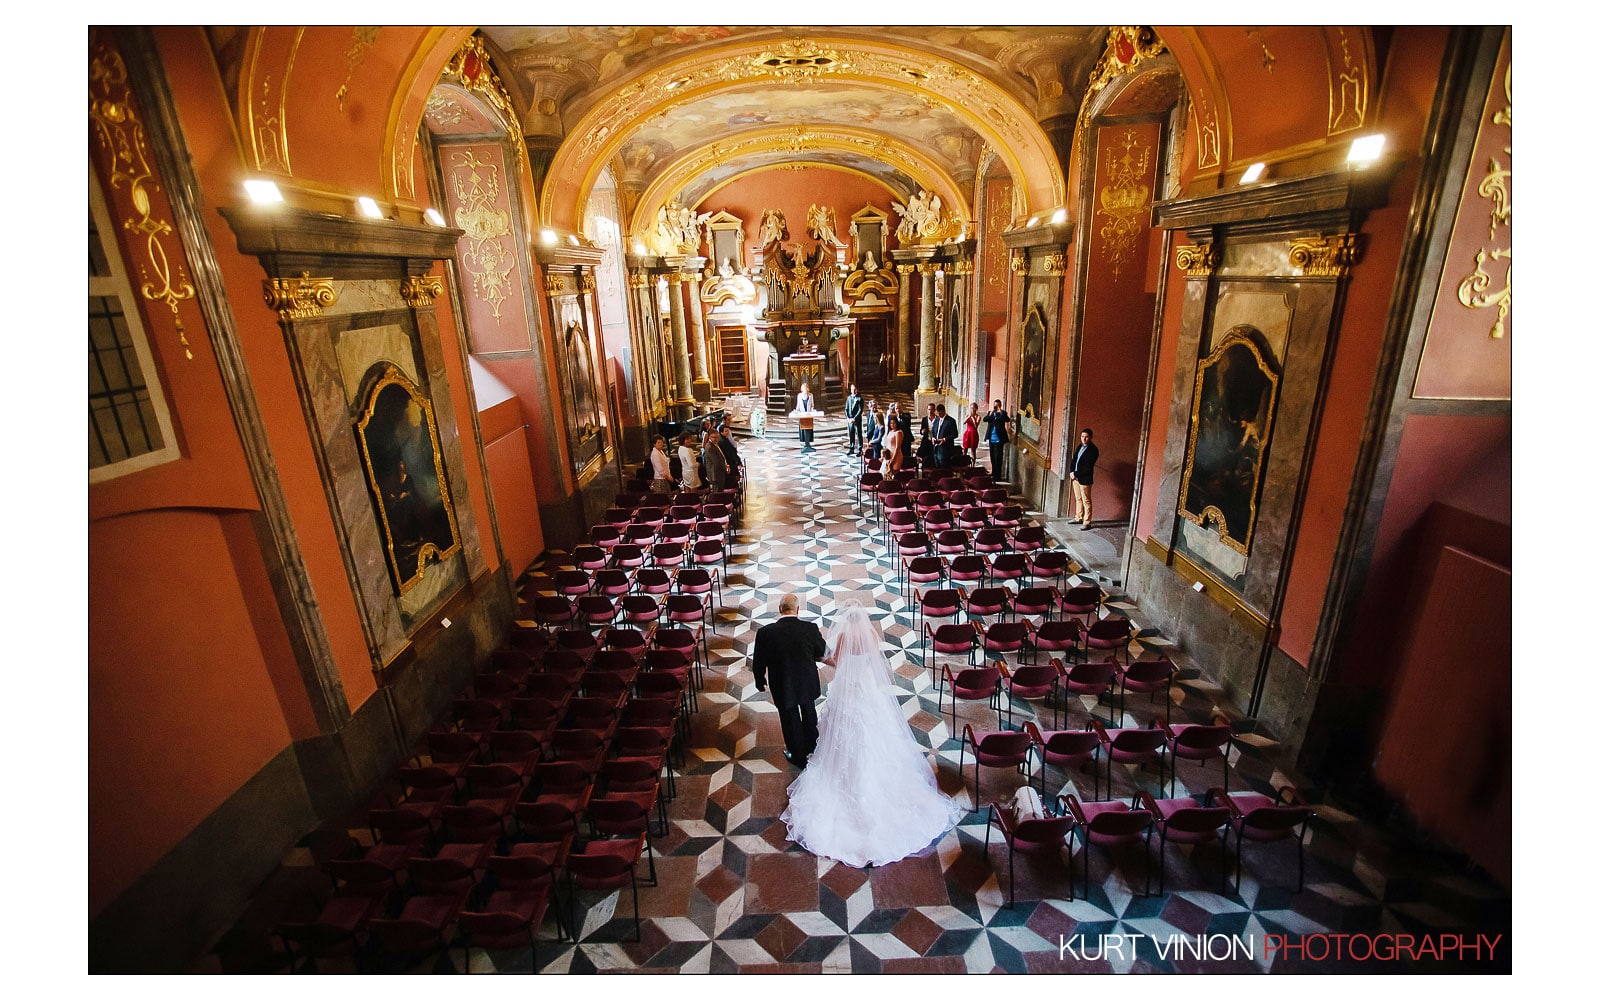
(733, 363)
(872, 343)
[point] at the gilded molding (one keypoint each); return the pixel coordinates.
(905, 268)
(554, 284)
(1019, 263)
(1125, 203)
(636, 280)
(362, 39)
(299, 298)
(1326, 256)
(1197, 261)
(419, 290)
(121, 135)
(1474, 290)
(1056, 263)
(587, 283)
(1126, 47)
(489, 255)
(472, 68)
(928, 268)
(675, 277)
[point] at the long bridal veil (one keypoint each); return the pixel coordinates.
(868, 795)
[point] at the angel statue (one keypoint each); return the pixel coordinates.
(820, 224)
(919, 216)
(774, 229)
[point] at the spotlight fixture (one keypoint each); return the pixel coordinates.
(1253, 174)
(1365, 150)
(1058, 218)
(263, 192)
(547, 237)
(433, 217)
(369, 208)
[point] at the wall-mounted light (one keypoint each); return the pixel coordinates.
(572, 238)
(1365, 150)
(638, 248)
(547, 237)
(1058, 218)
(1033, 222)
(369, 208)
(1253, 174)
(433, 217)
(263, 192)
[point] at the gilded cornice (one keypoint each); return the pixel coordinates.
(587, 283)
(998, 118)
(1197, 261)
(299, 298)
(554, 284)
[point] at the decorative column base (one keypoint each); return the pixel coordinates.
(702, 390)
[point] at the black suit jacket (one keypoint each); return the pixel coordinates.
(786, 655)
(1083, 459)
(997, 420)
(852, 407)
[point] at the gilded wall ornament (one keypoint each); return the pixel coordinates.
(554, 284)
(1126, 47)
(1019, 263)
(489, 257)
(361, 41)
(1125, 203)
(1056, 263)
(587, 283)
(1326, 256)
(419, 290)
(1197, 261)
(298, 298)
(1476, 290)
(1347, 86)
(121, 137)
(472, 68)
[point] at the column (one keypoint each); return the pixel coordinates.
(697, 329)
(682, 384)
(925, 361)
(902, 320)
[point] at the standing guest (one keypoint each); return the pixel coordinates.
(998, 437)
(689, 462)
(852, 414)
(729, 452)
(969, 435)
(943, 430)
(925, 438)
(715, 461)
(1083, 477)
(874, 430)
(894, 456)
(904, 420)
(660, 467)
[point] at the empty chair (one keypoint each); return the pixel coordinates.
(1110, 824)
(478, 714)
(604, 536)
(971, 684)
(1082, 600)
(990, 541)
(993, 749)
(455, 747)
(1109, 633)
(1194, 741)
(968, 569)
(1035, 602)
(954, 637)
(565, 782)
(1263, 819)
(590, 558)
(938, 605)
(1058, 635)
(628, 555)
(639, 610)
(972, 518)
(509, 918)
(1137, 747)
(914, 544)
(1146, 677)
(1030, 683)
(579, 641)
(628, 639)
(619, 517)
(697, 581)
(668, 555)
(551, 610)
(596, 610)
(613, 583)
(1066, 749)
(607, 866)
(952, 542)
(627, 814)
(653, 580)
(690, 613)
(423, 927)
(1043, 835)
(332, 933)
(919, 571)
(550, 818)
(900, 522)
(1010, 516)
(1049, 565)
(985, 602)
(992, 497)
(572, 582)
(1008, 566)
(1001, 639)
(1186, 820)
(675, 531)
(708, 551)
(519, 747)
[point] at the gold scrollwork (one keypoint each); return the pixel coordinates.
(121, 134)
(1473, 290)
(362, 39)
(1197, 261)
(419, 290)
(298, 298)
(1124, 202)
(638, 280)
(472, 68)
(1019, 263)
(1126, 47)
(1056, 263)
(904, 269)
(489, 254)
(554, 284)
(587, 283)
(1326, 256)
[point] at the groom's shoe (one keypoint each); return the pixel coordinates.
(799, 762)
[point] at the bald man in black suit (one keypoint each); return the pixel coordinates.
(787, 652)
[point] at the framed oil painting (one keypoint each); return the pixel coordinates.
(1030, 390)
(405, 473)
(1236, 394)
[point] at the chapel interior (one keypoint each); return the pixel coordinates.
(385, 320)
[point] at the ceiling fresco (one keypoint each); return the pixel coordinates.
(707, 181)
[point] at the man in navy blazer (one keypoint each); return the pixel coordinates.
(786, 653)
(1083, 477)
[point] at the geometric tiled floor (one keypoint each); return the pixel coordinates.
(735, 896)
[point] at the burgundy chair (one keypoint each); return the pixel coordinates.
(971, 684)
(1146, 677)
(1025, 539)
(424, 927)
(510, 918)
(455, 747)
(1109, 633)
(626, 814)
(596, 610)
(628, 639)
(1010, 516)
(968, 569)
(1132, 746)
(675, 531)
(1008, 566)
(1195, 741)
(1058, 635)
(653, 581)
(954, 637)
(333, 933)
(1035, 602)
(580, 641)
(602, 538)
(1050, 565)
(940, 604)
(689, 614)
(914, 544)
(613, 583)
(1066, 749)
(696, 581)
(972, 518)
(549, 819)
(1003, 639)
(899, 522)
(551, 610)
(1263, 819)
(986, 602)
(990, 541)
(952, 541)
(607, 866)
(994, 749)
(628, 555)
(519, 747)
(1185, 820)
(640, 533)
(1038, 835)
(992, 497)
(1110, 824)
(619, 517)
(1030, 683)
(639, 610)
(1082, 600)
(651, 745)
(564, 783)
(572, 582)
(868, 483)
(668, 555)
(919, 571)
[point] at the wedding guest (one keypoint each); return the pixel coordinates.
(969, 434)
(660, 467)
(689, 462)
(997, 436)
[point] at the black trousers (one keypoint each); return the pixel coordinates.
(855, 434)
(799, 727)
(997, 460)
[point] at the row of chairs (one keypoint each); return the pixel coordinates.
(1245, 816)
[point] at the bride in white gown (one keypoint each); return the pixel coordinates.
(868, 795)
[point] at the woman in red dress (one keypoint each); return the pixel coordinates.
(969, 435)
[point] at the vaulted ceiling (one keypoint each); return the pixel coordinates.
(675, 112)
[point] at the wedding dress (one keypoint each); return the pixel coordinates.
(868, 795)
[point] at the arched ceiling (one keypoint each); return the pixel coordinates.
(677, 111)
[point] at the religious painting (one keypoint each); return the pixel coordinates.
(1236, 392)
(580, 380)
(1031, 385)
(405, 472)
